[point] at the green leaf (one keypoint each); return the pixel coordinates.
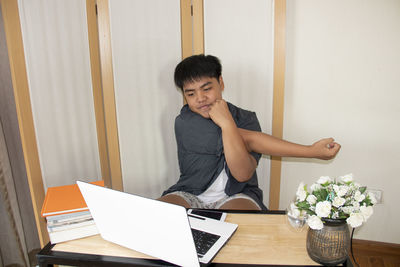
(367, 201)
(303, 205)
(347, 203)
(324, 194)
(311, 212)
(321, 194)
(362, 189)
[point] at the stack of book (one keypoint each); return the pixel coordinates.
(67, 214)
(70, 226)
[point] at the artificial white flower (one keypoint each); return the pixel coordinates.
(323, 209)
(340, 190)
(347, 209)
(311, 199)
(315, 187)
(334, 198)
(356, 205)
(355, 219)
(372, 198)
(366, 212)
(338, 202)
(347, 178)
(353, 187)
(335, 188)
(357, 185)
(358, 196)
(301, 193)
(324, 180)
(315, 223)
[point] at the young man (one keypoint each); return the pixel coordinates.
(219, 144)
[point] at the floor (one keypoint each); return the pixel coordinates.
(376, 254)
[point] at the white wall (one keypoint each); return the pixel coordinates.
(243, 40)
(343, 80)
(146, 46)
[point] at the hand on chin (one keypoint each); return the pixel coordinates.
(205, 115)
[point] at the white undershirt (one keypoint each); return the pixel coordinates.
(216, 190)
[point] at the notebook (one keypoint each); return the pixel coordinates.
(152, 227)
(64, 199)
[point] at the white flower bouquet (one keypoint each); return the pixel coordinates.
(330, 199)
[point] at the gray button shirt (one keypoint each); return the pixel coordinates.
(201, 154)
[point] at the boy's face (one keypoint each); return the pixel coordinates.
(202, 93)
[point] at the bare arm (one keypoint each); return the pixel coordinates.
(241, 164)
(269, 145)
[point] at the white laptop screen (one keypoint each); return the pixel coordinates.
(149, 226)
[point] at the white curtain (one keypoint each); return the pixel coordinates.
(58, 66)
(240, 34)
(146, 46)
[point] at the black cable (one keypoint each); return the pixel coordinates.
(351, 247)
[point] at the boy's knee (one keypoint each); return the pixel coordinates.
(174, 199)
(240, 204)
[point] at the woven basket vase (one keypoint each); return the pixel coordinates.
(329, 246)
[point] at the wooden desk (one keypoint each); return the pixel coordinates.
(263, 239)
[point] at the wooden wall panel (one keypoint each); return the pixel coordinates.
(186, 28)
(107, 76)
(16, 54)
(97, 89)
(278, 104)
(198, 27)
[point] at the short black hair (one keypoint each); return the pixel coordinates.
(195, 67)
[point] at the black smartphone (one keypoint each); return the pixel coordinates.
(216, 215)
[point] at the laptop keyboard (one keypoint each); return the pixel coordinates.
(203, 241)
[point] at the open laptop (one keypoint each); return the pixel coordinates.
(152, 227)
